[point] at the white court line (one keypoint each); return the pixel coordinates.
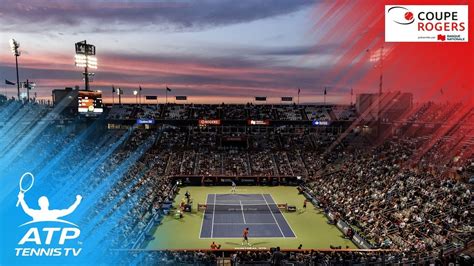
(235, 200)
(213, 212)
(281, 231)
(293, 231)
(202, 221)
(242, 208)
(240, 237)
(245, 223)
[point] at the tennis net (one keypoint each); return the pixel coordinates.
(247, 208)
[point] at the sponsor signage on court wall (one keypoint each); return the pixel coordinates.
(342, 225)
(259, 122)
(144, 121)
(320, 123)
(207, 122)
(360, 242)
(233, 138)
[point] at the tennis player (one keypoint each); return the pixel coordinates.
(246, 237)
(44, 214)
(233, 187)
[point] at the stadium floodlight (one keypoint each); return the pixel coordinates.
(135, 92)
(88, 61)
(85, 57)
(14, 45)
(119, 93)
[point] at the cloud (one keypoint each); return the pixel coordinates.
(205, 76)
(183, 15)
(300, 50)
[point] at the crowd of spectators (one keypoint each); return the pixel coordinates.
(235, 163)
(433, 112)
(122, 112)
(318, 113)
(261, 112)
(234, 112)
(209, 163)
(289, 112)
(395, 206)
(344, 113)
(276, 256)
(175, 112)
(268, 154)
(396, 194)
(139, 192)
(454, 148)
(205, 111)
(282, 112)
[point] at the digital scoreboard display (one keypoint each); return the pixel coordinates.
(90, 102)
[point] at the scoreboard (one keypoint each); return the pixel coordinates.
(90, 102)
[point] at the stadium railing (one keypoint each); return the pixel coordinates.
(225, 252)
(225, 256)
(334, 256)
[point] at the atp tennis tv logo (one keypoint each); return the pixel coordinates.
(43, 239)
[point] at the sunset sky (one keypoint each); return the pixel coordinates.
(212, 51)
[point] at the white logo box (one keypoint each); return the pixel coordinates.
(402, 23)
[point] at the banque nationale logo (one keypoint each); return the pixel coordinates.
(426, 23)
(43, 239)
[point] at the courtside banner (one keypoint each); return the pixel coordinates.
(426, 23)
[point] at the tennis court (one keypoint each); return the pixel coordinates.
(226, 215)
(309, 227)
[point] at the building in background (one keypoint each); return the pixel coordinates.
(390, 106)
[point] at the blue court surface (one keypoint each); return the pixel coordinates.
(227, 215)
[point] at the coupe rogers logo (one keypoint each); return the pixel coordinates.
(41, 240)
(426, 23)
(398, 11)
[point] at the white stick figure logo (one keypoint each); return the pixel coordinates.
(44, 214)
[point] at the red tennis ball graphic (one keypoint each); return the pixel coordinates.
(408, 16)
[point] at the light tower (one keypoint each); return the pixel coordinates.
(85, 57)
(135, 92)
(14, 45)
